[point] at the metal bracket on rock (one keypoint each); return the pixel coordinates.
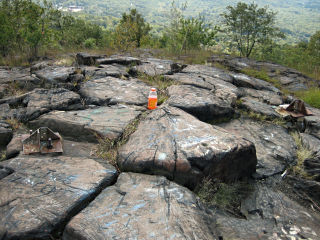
(295, 109)
(43, 140)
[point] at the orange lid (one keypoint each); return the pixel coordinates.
(153, 89)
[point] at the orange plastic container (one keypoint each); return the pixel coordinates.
(152, 99)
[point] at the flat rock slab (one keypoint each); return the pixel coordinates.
(142, 207)
(6, 133)
(88, 125)
(19, 77)
(122, 60)
(173, 143)
(207, 82)
(208, 71)
(87, 58)
(43, 193)
(110, 90)
(114, 70)
(270, 215)
(53, 76)
(276, 149)
(268, 97)
(201, 103)
(31, 105)
(264, 109)
(242, 80)
(153, 67)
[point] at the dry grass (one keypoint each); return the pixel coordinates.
(15, 124)
(107, 149)
(222, 195)
(303, 153)
(159, 82)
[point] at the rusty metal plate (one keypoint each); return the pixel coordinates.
(43, 140)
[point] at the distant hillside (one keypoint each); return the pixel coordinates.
(297, 18)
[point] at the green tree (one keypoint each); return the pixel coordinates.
(248, 26)
(131, 30)
(188, 33)
(314, 45)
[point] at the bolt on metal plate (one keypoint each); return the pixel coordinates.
(43, 140)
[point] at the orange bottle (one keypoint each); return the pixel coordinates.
(152, 99)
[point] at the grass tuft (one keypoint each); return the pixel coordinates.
(222, 195)
(311, 96)
(262, 74)
(107, 149)
(303, 153)
(159, 82)
(15, 124)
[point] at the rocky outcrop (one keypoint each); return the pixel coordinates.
(110, 91)
(268, 97)
(153, 67)
(31, 105)
(66, 77)
(87, 59)
(19, 78)
(242, 80)
(90, 124)
(44, 193)
(174, 144)
(251, 105)
(269, 215)
(276, 149)
(201, 103)
(313, 123)
(209, 71)
(142, 207)
(288, 78)
(114, 70)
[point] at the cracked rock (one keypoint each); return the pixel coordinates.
(43, 193)
(172, 143)
(142, 207)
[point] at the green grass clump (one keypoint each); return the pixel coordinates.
(311, 96)
(107, 149)
(159, 82)
(261, 74)
(222, 195)
(303, 153)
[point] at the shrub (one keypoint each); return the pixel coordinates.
(90, 43)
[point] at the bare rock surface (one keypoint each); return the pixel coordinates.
(276, 149)
(87, 125)
(153, 67)
(201, 103)
(122, 60)
(31, 105)
(87, 58)
(242, 80)
(6, 133)
(109, 91)
(142, 207)
(313, 123)
(43, 193)
(289, 78)
(264, 109)
(268, 97)
(55, 76)
(18, 77)
(208, 71)
(206, 82)
(172, 143)
(270, 215)
(114, 70)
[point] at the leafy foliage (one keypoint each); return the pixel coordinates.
(187, 33)
(248, 25)
(131, 30)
